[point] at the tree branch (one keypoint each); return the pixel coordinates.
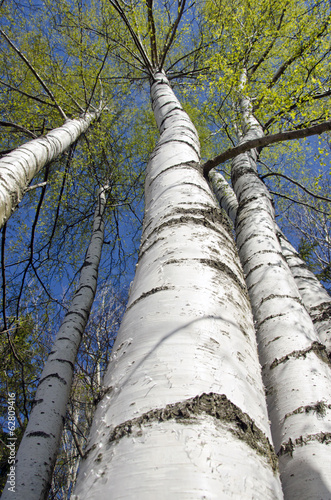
(171, 33)
(265, 141)
(18, 127)
(36, 74)
(297, 184)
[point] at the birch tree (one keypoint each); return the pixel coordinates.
(39, 446)
(176, 404)
(18, 168)
(289, 346)
(183, 396)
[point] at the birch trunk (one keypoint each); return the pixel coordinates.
(315, 298)
(18, 168)
(37, 453)
(295, 367)
(184, 413)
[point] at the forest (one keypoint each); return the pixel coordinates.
(165, 249)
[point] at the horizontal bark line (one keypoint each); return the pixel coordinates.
(186, 412)
(289, 447)
(214, 264)
(265, 141)
(319, 408)
(188, 164)
(150, 292)
(316, 347)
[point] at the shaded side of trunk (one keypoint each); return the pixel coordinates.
(18, 168)
(184, 413)
(39, 447)
(295, 366)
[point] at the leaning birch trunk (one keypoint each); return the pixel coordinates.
(184, 413)
(18, 168)
(295, 366)
(315, 298)
(37, 453)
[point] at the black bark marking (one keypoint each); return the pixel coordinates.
(217, 406)
(250, 198)
(322, 312)
(64, 361)
(158, 148)
(261, 252)
(205, 217)
(179, 112)
(53, 375)
(70, 313)
(39, 434)
(142, 253)
(288, 448)
(319, 408)
(278, 296)
(36, 402)
(256, 235)
(316, 347)
(150, 292)
(239, 171)
(189, 164)
(272, 316)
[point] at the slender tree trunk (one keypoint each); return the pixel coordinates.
(184, 413)
(295, 366)
(18, 168)
(37, 453)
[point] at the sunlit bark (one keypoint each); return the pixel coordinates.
(184, 411)
(295, 367)
(18, 168)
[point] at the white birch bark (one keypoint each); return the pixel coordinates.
(18, 168)
(295, 367)
(37, 453)
(315, 298)
(184, 413)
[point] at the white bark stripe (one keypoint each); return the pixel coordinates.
(187, 331)
(296, 371)
(18, 168)
(39, 447)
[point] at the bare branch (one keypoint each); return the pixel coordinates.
(18, 127)
(171, 34)
(297, 184)
(151, 29)
(134, 36)
(265, 141)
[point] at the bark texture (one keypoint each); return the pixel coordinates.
(184, 414)
(295, 367)
(39, 447)
(315, 298)
(18, 168)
